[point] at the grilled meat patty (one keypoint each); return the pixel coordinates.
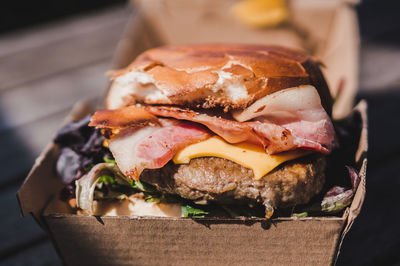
(220, 180)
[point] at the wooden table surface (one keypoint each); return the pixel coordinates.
(45, 70)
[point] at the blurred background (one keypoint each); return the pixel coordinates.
(54, 53)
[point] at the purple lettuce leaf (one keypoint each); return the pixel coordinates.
(81, 147)
(338, 198)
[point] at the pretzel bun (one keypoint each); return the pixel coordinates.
(214, 75)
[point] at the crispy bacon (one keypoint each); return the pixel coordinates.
(122, 118)
(151, 147)
(232, 131)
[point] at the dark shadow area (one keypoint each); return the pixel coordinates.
(379, 20)
(374, 237)
(15, 157)
(22, 14)
(21, 237)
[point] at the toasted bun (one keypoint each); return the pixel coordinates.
(216, 75)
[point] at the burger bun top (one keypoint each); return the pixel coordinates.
(214, 75)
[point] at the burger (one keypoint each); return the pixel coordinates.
(205, 125)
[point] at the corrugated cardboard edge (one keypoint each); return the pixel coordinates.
(361, 157)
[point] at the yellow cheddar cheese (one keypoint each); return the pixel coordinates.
(247, 155)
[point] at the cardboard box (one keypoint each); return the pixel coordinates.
(89, 240)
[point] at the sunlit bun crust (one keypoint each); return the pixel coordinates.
(216, 75)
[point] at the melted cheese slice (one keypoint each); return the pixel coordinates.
(247, 155)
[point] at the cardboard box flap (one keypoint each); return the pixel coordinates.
(138, 36)
(340, 55)
(40, 185)
(214, 21)
(361, 158)
(42, 182)
(361, 164)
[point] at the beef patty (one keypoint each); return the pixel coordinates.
(220, 180)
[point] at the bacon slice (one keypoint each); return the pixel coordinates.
(151, 147)
(122, 118)
(285, 120)
(232, 131)
(298, 110)
(273, 137)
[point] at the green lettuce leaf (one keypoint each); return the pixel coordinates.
(300, 215)
(189, 211)
(142, 186)
(108, 159)
(109, 181)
